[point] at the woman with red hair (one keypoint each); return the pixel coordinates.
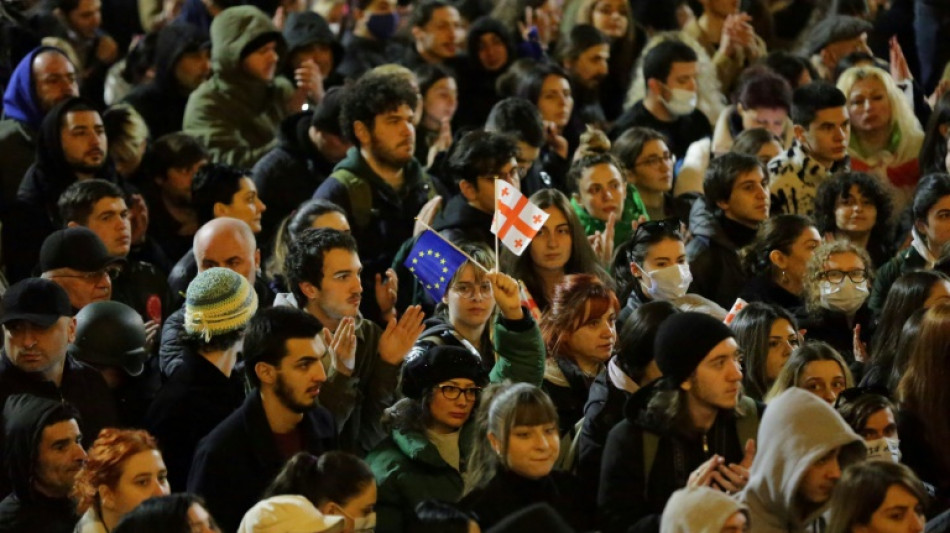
(579, 332)
(124, 468)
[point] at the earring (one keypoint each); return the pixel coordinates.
(784, 277)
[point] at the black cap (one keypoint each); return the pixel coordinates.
(38, 301)
(426, 369)
(326, 116)
(77, 248)
(684, 340)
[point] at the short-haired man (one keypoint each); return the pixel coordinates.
(182, 63)
(37, 328)
(803, 447)
(71, 146)
(79, 23)
(205, 389)
(310, 144)
(669, 105)
(218, 191)
(76, 259)
(736, 202)
(323, 272)
(280, 417)
(834, 38)
(223, 242)
(585, 56)
(41, 80)
(237, 112)
(173, 221)
(43, 452)
(436, 32)
(100, 206)
(519, 119)
(694, 427)
(379, 184)
(822, 130)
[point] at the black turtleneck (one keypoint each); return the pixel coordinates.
(740, 234)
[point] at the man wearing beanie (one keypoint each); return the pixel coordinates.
(205, 389)
(309, 145)
(690, 428)
(237, 111)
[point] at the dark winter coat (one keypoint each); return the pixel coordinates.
(763, 289)
(25, 509)
(713, 255)
(682, 132)
(239, 458)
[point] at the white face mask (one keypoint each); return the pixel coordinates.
(666, 283)
(846, 297)
(681, 102)
(884, 449)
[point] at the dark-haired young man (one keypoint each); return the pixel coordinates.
(519, 119)
(379, 184)
(691, 427)
(323, 271)
(233, 465)
(436, 31)
(822, 131)
(736, 202)
(669, 105)
(585, 56)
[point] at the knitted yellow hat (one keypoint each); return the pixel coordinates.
(218, 301)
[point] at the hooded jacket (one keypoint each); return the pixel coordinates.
(477, 85)
(162, 101)
(305, 29)
(22, 117)
(34, 215)
(698, 510)
(233, 113)
(797, 429)
(25, 417)
(713, 255)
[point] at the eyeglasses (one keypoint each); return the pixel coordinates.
(111, 272)
(852, 394)
(516, 173)
(467, 290)
(451, 392)
(837, 276)
(655, 160)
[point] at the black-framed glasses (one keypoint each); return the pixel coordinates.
(858, 275)
(852, 394)
(451, 392)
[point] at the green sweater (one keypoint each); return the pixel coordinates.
(633, 208)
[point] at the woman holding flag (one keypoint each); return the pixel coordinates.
(430, 430)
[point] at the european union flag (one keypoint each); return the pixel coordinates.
(434, 261)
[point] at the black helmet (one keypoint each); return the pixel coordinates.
(110, 334)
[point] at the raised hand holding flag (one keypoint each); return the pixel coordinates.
(516, 220)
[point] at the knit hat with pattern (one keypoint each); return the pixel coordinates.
(218, 301)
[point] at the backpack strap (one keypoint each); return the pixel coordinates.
(360, 195)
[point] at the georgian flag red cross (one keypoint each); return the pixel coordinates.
(516, 219)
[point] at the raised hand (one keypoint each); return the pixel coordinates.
(703, 475)
(386, 293)
(734, 477)
(342, 345)
(900, 71)
(398, 338)
(507, 295)
(603, 242)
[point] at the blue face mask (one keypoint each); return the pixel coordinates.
(382, 25)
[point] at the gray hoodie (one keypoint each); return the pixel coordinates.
(797, 429)
(698, 510)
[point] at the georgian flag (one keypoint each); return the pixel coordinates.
(516, 219)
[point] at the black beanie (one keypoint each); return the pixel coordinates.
(426, 369)
(684, 340)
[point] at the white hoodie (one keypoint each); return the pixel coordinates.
(698, 510)
(797, 429)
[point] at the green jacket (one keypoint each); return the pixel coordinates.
(409, 469)
(234, 114)
(633, 209)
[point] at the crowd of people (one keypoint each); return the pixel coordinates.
(734, 315)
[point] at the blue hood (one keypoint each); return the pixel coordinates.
(19, 100)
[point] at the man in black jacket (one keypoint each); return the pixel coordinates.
(689, 428)
(309, 145)
(280, 417)
(42, 457)
(37, 328)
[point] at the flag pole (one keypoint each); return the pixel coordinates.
(494, 218)
(457, 249)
